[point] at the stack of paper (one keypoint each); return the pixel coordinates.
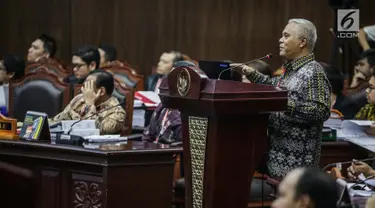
(148, 98)
(359, 197)
(105, 138)
(139, 117)
(353, 129)
(333, 123)
(97, 145)
(137, 103)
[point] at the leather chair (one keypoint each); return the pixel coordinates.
(126, 74)
(50, 64)
(124, 95)
(40, 91)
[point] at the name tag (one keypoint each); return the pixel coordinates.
(8, 128)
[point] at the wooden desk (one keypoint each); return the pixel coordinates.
(339, 151)
(139, 176)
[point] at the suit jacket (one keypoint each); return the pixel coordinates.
(151, 81)
(71, 79)
(350, 105)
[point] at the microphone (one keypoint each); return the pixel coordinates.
(92, 115)
(346, 162)
(75, 139)
(354, 185)
(268, 56)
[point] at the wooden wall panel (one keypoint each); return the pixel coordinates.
(143, 30)
(92, 22)
(236, 30)
(25, 21)
(243, 30)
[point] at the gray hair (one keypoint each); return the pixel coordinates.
(308, 31)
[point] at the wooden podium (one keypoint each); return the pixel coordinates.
(224, 125)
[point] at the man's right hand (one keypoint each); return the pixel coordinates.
(242, 69)
(359, 167)
(357, 78)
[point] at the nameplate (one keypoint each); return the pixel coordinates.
(8, 128)
(35, 126)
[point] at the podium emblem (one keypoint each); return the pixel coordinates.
(183, 82)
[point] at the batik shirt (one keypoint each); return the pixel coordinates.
(295, 135)
(366, 113)
(109, 116)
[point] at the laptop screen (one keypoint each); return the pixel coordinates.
(214, 68)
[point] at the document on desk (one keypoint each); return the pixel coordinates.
(105, 138)
(363, 141)
(353, 129)
(97, 145)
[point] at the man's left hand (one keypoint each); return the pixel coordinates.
(88, 91)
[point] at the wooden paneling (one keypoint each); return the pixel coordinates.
(25, 21)
(236, 30)
(139, 175)
(49, 189)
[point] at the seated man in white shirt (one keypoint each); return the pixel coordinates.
(11, 68)
(366, 35)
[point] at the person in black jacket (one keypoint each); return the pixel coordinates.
(347, 105)
(165, 65)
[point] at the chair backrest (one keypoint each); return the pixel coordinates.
(50, 64)
(126, 74)
(125, 65)
(124, 95)
(40, 91)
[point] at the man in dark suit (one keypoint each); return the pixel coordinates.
(165, 65)
(108, 54)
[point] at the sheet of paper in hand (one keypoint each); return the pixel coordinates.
(353, 129)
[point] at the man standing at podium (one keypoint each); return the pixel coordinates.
(295, 135)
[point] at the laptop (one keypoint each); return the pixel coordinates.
(214, 68)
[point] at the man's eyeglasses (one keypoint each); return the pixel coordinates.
(370, 88)
(78, 65)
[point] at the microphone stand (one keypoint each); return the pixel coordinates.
(92, 115)
(247, 62)
(75, 139)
